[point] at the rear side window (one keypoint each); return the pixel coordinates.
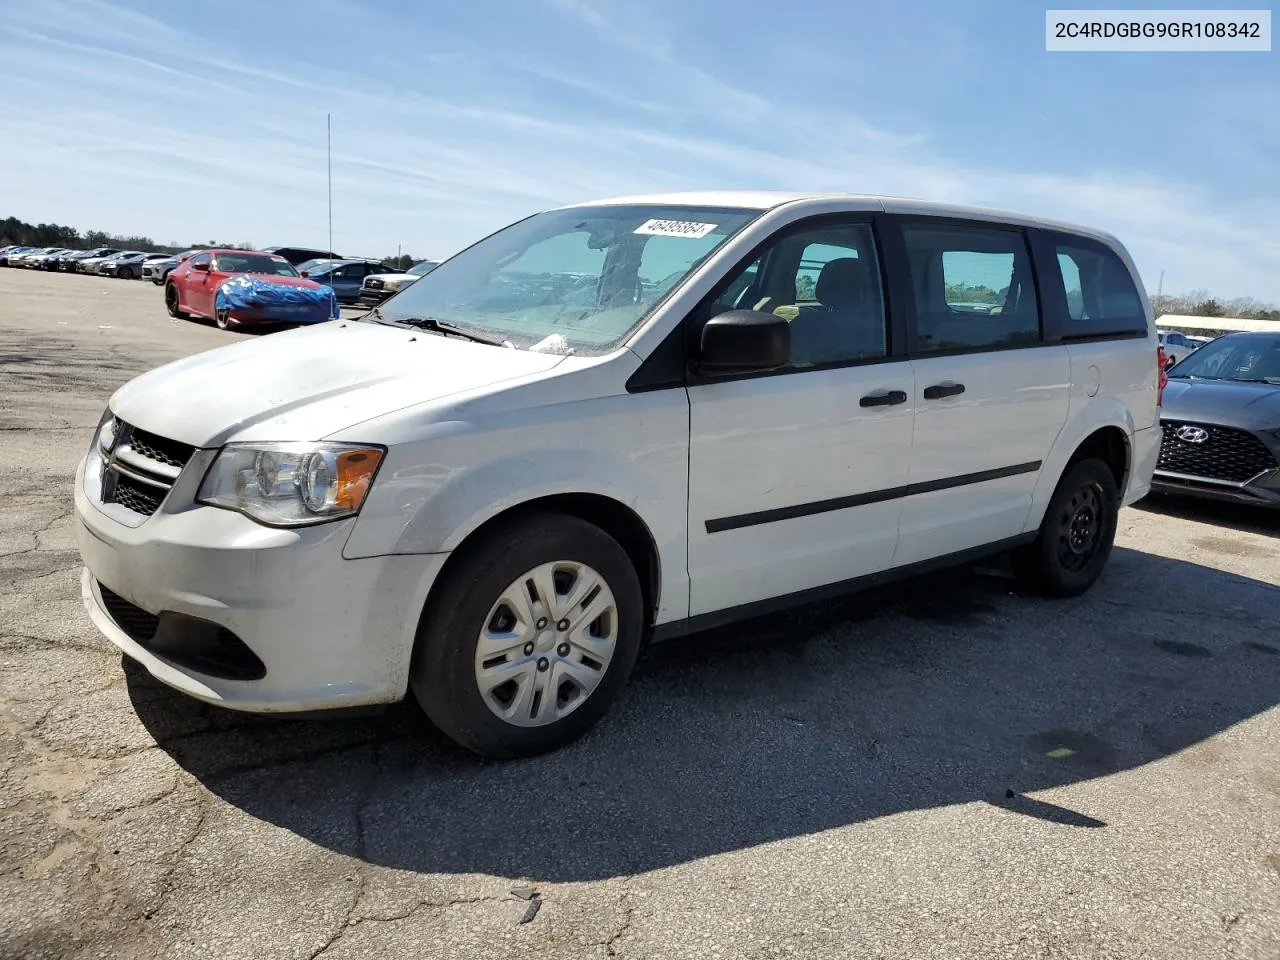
(973, 287)
(1102, 299)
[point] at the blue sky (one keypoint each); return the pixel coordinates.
(192, 122)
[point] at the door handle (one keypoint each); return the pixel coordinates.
(940, 390)
(883, 398)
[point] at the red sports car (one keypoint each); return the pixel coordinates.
(234, 287)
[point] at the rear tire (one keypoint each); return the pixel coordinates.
(520, 677)
(172, 303)
(1076, 535)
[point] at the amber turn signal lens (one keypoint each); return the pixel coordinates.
(355, 472)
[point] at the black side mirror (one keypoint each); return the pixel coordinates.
(744, 341)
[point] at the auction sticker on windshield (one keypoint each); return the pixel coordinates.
(674, 228)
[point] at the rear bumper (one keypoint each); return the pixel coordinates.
(1145, 455)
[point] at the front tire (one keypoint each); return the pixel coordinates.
(529, 637)
(1076, 535)
(172, 303)
(223, 319)
(125, 273)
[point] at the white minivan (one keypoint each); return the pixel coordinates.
(615, 422)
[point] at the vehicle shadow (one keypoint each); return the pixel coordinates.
(1236, 516)
(941, 691)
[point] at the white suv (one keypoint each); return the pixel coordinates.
(611, 422)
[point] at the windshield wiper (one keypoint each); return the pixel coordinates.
(447, 329)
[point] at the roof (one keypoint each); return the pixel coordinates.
(768, 200)
(215, 250)
(1178, 321)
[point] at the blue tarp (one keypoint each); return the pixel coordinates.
(277, 301)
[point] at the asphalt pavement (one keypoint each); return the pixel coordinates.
(948, 769)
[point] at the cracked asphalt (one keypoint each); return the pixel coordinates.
(948, 769)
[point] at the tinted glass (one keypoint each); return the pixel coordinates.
(825, 282)
(1101, 296)
(584, 276)
(1254, 357)
(255, 263)
(972, 287)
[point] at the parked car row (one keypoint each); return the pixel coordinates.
(104, 261)
(379, 286)
(352, 280)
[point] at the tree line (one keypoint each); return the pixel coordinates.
(1200, 304)
(19, 232)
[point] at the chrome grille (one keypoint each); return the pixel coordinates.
(140, 468)
(1227, 455)
(373, 284)
(160, 449)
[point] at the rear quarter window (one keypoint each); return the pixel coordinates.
(1100, 298)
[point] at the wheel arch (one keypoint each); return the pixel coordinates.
(612, 516)
(1112, 446)
(1105, 430)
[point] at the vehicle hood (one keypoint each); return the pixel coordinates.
(390, 276)
(310, 383)
(300, 283)
(1253, 406)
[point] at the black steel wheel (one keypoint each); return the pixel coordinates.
(1075, 538)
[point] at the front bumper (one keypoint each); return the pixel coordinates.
(1230, 463)
(328, 632)
(374, 297)
(242, 316)
(1263, 491)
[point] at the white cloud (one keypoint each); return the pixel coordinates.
(490, 138)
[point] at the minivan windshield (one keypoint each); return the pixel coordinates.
(1244, 356)
(587, 274)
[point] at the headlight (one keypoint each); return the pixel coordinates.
(107, 428)
(391, 285)
(291, 484)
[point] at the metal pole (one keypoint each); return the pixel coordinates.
(328, 122)
(1160, 290)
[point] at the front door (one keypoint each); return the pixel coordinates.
(197, 285)
(346, 281)
(796, 476)
(992, 396)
